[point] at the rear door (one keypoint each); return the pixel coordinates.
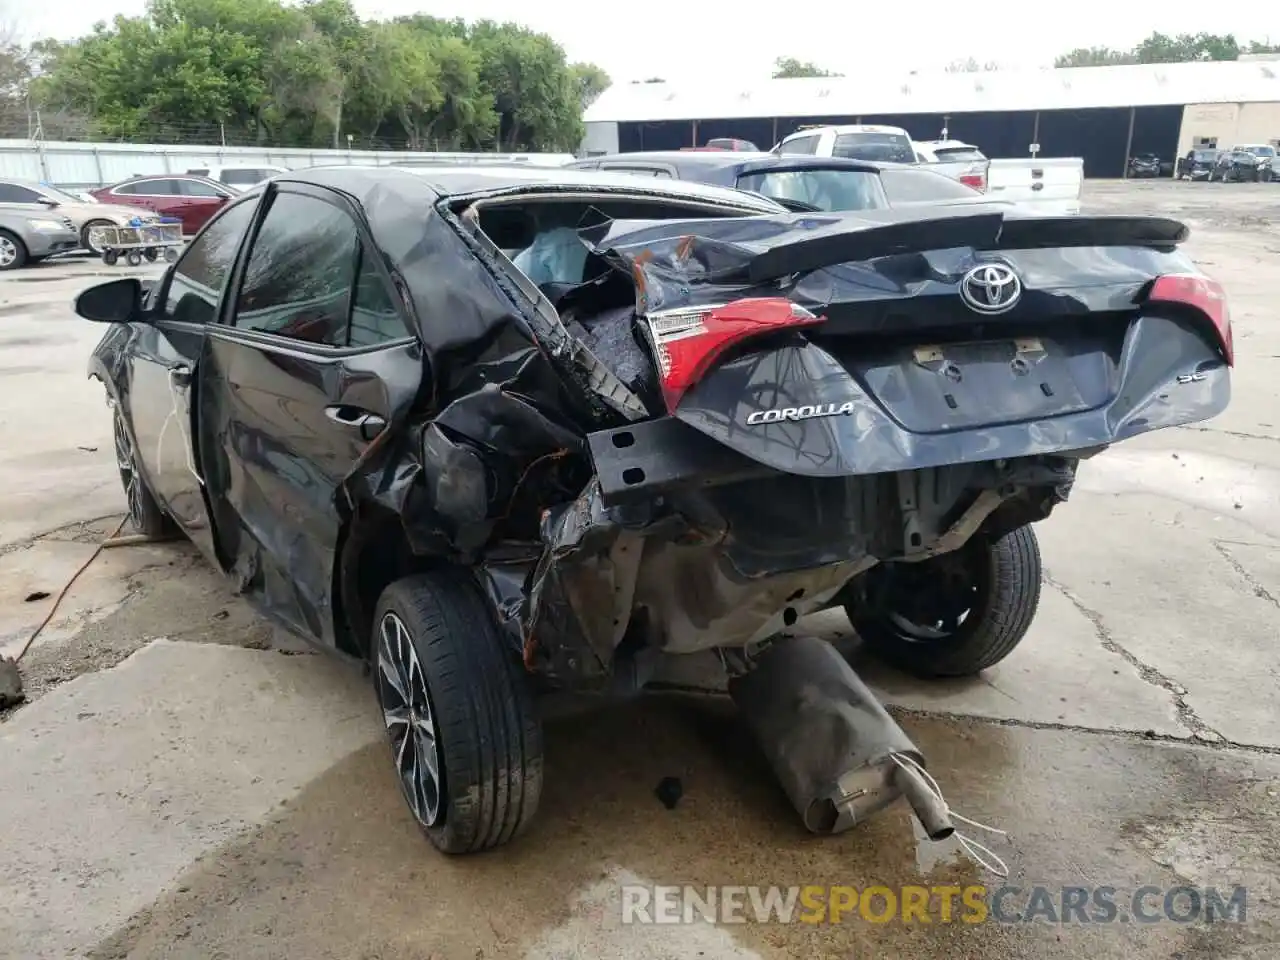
(298, 389)
(161, 194)
(201, 201)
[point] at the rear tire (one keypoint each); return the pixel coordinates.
(458, 710)
(993, 603)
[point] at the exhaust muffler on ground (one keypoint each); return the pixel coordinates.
(838, 753)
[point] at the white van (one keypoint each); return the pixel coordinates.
(856, 141)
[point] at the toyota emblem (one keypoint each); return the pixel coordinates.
(990, 288)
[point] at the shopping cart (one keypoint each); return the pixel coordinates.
(138, 239)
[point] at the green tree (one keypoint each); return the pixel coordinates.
(592, 81)
(1095, 57)
(305, 73)
(1163, 48)
(15, 75)
(1185, 47)
(786, 68)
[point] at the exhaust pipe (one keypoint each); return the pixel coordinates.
(839, 755)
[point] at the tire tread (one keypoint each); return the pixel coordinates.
(488, 733)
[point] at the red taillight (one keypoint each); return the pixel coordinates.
(1205, 295)
(975, 180)
(688, 342)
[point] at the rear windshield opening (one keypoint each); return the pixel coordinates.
(827, 190)
(948, 154)
(886, 147)
(540, 235)
(243, 177)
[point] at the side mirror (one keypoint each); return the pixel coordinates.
(47, 201)
(117, 301)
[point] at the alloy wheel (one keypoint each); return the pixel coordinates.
(8, 252)
(406, 711)
(127, 466)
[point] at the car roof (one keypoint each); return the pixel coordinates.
(445, 181)
(839, 128)
(165, 176)
(718, 160)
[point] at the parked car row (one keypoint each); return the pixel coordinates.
(38, 220)
(1255, 162)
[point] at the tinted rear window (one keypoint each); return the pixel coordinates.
(890, 147)
(244, 177)
(947, 154)
(800, 145)
(831, 190)
(923, 186)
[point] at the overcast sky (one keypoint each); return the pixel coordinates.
(689, 41)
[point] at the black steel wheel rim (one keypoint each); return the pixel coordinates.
(127, 465)
(410, 722)
(936, 600)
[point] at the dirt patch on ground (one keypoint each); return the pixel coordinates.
(178, 597)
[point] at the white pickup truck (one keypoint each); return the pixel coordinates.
(1050, 185)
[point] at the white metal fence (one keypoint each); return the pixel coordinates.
(79, 165)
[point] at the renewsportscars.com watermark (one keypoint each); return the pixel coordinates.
(933, 904)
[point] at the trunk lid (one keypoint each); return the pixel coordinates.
(918, 338)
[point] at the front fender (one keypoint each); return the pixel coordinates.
(106, 362)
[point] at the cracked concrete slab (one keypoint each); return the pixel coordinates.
(1151, 575)
(117, 781)
(1062, 674)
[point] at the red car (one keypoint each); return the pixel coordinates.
(191, 199)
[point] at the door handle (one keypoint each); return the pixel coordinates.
(180, 375)
(369, 425)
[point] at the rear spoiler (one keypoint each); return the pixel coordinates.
(762, 249)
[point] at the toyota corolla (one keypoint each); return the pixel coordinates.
(497, 431)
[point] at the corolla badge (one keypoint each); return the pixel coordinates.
(990, 288)
(808, 411)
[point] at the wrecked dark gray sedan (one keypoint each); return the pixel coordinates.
(503, 431)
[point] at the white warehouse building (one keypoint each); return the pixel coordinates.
(1103, 114)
